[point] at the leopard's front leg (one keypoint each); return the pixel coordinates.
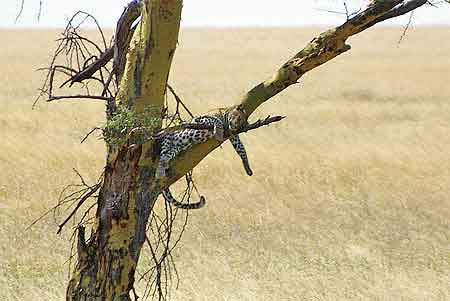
(168, 152)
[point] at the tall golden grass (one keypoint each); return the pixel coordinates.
(351, 194)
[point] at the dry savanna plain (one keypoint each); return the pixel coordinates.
(350, 198)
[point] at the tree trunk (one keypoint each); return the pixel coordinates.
(107, 260)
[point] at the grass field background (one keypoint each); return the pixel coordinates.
(351, 194)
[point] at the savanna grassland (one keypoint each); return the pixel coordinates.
(351, 194)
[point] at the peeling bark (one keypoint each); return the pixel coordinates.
(107, 260)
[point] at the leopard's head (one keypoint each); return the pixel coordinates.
(237, 119)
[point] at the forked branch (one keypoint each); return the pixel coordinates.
(87, 61)
(78, 59)
(89, 193)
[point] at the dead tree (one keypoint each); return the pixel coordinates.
(131, 74)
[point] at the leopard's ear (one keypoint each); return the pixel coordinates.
(242, 109)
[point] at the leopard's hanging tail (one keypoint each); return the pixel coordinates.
(170, 199)
(240, 149)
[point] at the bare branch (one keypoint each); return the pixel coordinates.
(80, 96)
(324, 48)
(123, 33)
(262, 122)
(404, 8)
(83, 182)
(40, 10)
(70, 194)
(405, 30)
(22, 3)
(178, 99)
(90, 133)
(92, 68)
(86, 196)
(84, 58)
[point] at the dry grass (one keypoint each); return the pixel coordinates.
(350, 198)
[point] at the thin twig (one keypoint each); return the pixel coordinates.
(178, 99)
(22, 3)
(262, 122)
(83, 57)
(81, 201)
(78, 97)
(80, 177)
(90, 133)
(405, 30)
(39, 11)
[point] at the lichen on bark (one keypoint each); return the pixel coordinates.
(107, 261)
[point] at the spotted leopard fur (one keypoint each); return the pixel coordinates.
(170, 199)
(176, 142)
(240, 150)
(225, 124)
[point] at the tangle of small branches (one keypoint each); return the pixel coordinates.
(73, 195)
(82, 60)
(80, 200)
(93, 68)
(166, 229)
(93, 64)
(22, 4)
(162, 240)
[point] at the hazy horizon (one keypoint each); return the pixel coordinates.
(350, 194)
(213, 14)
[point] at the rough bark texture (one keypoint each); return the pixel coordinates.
(107, 260)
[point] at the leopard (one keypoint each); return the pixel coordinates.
(227, 124)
